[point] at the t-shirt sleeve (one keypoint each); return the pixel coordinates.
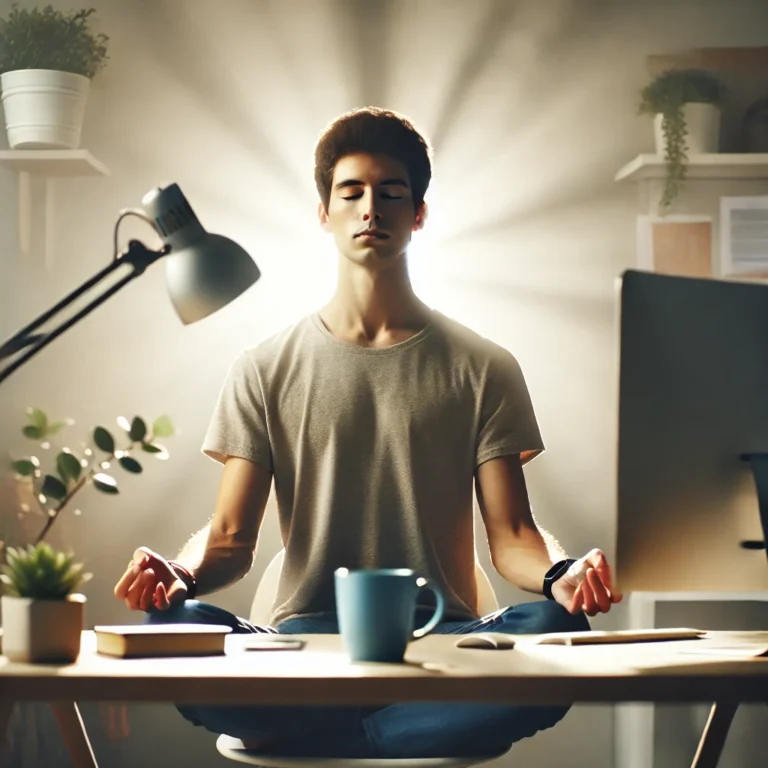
(508, 423)
(238, 426)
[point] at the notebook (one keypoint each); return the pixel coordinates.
(618, 636)
(134, 640)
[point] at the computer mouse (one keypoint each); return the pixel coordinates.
(492, 641)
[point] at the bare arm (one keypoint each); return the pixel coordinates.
(218, 555)
(222, 552)
(521, 551)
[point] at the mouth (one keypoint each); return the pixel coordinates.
(372, 234)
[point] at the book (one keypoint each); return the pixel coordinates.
(618, 636)
(136, 640)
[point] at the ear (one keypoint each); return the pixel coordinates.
(421, 216)
(322, 216)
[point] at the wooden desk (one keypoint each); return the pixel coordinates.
(435, 671)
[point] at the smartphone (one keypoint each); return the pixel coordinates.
(272, 643)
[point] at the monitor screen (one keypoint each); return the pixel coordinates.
(693, 398)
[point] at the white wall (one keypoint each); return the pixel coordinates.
(531, 107)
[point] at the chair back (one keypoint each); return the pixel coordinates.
(266, 592)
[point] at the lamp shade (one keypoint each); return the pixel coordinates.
(203, 271)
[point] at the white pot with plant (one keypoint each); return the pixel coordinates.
(47, 61)
(686, 107)
(42, 614)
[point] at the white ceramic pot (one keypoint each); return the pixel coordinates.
(703, 125)
(42, 630)
(44, 108)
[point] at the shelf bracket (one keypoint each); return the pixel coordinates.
(25, 212)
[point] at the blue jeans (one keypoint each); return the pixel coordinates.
(408, 730)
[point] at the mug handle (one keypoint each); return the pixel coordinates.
(437, 616)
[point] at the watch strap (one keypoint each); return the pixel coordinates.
(557, 570)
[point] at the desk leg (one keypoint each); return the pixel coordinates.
(633, 723)
(6, 709)
(72, 729)
(715, 733)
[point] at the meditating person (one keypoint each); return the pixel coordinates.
(378, 419)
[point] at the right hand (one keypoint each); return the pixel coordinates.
(150, 582)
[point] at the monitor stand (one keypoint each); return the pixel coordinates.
(759, 464)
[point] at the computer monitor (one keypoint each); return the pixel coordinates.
(693, 400)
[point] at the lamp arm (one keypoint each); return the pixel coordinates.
(138, 257)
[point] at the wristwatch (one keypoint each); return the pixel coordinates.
(554, 573)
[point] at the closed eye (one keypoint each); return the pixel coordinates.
(386, 197)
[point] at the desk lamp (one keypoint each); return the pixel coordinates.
(203, 272)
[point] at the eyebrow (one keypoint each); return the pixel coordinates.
(396, 182)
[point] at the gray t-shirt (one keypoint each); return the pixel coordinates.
(374, 451)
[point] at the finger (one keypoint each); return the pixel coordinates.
(133, 598)
(614, 592)
(149, 559)
(576, 601)
(161, 597)
(177, 592)
(142, 555)
(126, 580)
(606, 575)
(148, 593)
(589, 598)
(596, 559)
(599, 591)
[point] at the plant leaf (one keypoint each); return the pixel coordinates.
(138, 429)
(105, 483)
(23, 467)
(152, 448)
(56, 427)
(68, 467)
(39, 419)
(162, 427)
(104, 440)
(32, 432)
(53, 487)
(129, 464)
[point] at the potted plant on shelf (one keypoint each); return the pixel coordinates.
(685, 104)
(47, 61)
(42, 612)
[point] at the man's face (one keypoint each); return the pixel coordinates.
(370, 212)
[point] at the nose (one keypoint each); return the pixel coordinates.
(369, 210)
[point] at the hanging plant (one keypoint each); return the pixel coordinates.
(666, 95)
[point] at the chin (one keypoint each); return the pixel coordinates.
(372, 256)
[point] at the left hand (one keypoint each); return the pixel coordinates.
(587, 586)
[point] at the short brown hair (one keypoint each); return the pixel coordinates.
(374, 131)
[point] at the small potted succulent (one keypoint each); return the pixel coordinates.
(42, 611)
(685, 104)
(47, 61)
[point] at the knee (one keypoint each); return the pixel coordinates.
(549, 616)
(190, 611)
(555, 618)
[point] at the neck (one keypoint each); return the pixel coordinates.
(374, 307)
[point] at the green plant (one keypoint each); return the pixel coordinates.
(72, 472)
(666, 95)
(41, 573)
(49, 39)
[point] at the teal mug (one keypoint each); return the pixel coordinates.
(376, 611)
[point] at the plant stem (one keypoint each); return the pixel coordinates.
(80, 483)
(51, 518)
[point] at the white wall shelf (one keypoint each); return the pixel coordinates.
(48, 164)
(700, 166)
